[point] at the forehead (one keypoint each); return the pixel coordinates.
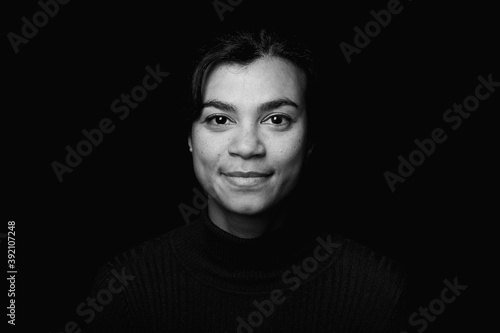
(265, 79)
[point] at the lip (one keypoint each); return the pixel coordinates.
(248, 174)
(249, 179)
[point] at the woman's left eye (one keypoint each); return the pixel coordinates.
(278, 120)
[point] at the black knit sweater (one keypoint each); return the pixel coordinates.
(199, 278)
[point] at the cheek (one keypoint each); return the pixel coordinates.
(205, 154)
(290, 152)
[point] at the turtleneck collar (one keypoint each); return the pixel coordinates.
(229, 262)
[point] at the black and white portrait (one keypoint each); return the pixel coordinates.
(243, 166)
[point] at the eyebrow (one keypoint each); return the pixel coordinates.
(264, 107)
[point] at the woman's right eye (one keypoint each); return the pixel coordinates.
(217, 120)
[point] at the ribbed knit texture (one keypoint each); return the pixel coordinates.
(199, 278)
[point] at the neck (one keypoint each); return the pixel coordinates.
(245, 226)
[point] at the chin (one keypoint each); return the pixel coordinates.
(247, 207)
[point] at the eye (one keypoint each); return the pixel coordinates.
(217, 120)
(278, 120)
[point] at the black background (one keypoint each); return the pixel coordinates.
(438, 223)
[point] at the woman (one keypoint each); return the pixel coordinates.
(250, 263)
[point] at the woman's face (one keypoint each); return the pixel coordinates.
(249, 143)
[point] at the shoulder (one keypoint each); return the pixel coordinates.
(366, 257)
(369, 287)
(371, 265)
(366, 274)
(380, 280)
(152, 256)
(356, 266)
(352, 256)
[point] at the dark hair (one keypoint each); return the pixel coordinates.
(243, 48)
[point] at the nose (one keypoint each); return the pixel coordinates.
(247, 144)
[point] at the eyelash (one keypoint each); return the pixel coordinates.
(213, 116)
(209, 119)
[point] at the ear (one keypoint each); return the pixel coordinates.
(190, 144)
(309, 151)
